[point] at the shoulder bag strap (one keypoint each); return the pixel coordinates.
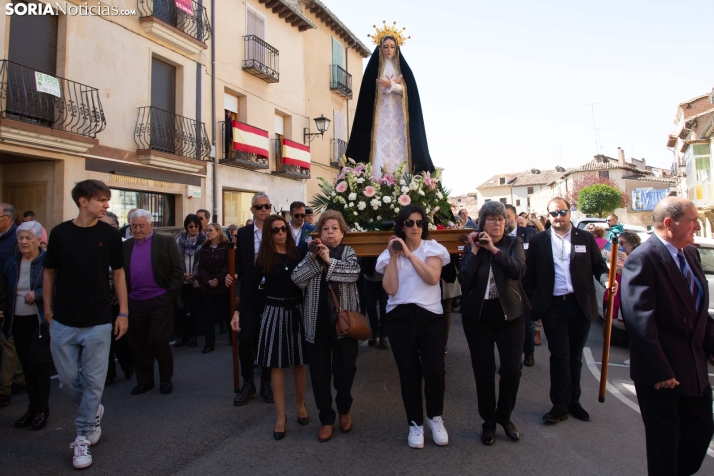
(332, 291)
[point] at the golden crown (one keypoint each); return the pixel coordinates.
(392, 31)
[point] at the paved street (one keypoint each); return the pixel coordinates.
(197, 430)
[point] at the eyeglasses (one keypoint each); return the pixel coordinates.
(276, 230)
(496, 220)
(265, 206)
(299, 215)
(562, 213)
(531, 226)
(411, 223)
(193, 226)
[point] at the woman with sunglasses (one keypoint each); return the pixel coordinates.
(212, 272)
(493, 312)
(535, 223)
(330, 266)
(416, 326)
(188, 318)
(281, 341)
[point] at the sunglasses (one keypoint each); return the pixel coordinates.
(276, 230)
(411, 223)
(531, 226)
(265, 206)
(299, 215)
(562, 213)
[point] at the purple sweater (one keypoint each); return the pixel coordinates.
(143, 285)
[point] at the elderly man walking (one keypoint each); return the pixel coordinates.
(154, 276)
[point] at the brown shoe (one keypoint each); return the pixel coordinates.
(346, 423)
(324, 433)
(537, 337)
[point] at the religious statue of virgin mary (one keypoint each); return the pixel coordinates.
(388, 127)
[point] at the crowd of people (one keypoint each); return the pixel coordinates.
(142, 288)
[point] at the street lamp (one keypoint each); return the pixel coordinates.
(322, 123)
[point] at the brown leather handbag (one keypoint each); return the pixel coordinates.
(350, 323)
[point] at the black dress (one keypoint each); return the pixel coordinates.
(282, 335)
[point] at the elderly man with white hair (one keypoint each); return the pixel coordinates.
(154, 274)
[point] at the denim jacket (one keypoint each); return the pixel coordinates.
(11, 273)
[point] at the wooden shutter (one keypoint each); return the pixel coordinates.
(339, 128)
(279, 125)
(255, 24)
(337, 53)
(230, 103)
(27, 196)
(163, 86)
(33, 42)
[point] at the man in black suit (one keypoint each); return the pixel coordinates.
(665, 302)
(248, 244)
(560, 266)
(525, 234)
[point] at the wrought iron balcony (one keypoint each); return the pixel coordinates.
(341, 81)
(77, 109)
(338, 148)
(260, 59)
(238, 158)
(195, 24)
(294, 172)
(170, 133)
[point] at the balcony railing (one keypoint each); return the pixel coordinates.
(163, 131)
(341, 81)
(260, 59)
(238, 158)
(338, 148)
(77, 109)
(195, 25)
(291, 171)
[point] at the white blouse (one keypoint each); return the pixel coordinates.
(413, 289)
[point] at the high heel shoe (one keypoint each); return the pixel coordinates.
(303, 421)
(279, 435)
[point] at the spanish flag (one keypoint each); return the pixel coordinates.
(296, 154)
(250, 139)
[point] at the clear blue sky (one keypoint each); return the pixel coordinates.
(508, 86)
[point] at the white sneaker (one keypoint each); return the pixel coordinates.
(438, 432)
(100, 414)
(416, 436)
(82, 455)
(93, 435)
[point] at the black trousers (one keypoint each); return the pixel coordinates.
(376, 295)
(188, 318)
(418, 339)
(119, 349)
(332, 359)
(248, 344)
(32, 343)
(567, 330)
(493, 328)
(678, 430)
(215, 306)
(150, 328)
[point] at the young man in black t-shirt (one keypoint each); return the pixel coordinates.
(79, 255)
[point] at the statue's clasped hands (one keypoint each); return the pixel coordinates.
(387, 83)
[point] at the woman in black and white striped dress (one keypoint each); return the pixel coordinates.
(282, 335)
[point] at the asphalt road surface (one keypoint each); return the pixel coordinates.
(196, 430)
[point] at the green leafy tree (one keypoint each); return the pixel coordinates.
(599, 199)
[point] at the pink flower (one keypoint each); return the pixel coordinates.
(369, 191)
(428, 181)
(359, 170)
(404, 200)
(351, 161)
(388, 180)
(341, 187)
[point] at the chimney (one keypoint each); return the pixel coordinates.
(621, 156)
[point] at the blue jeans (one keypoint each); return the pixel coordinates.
(86, 348)
(529, 342)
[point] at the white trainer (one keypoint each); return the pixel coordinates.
(416, 436)
(438, 432)
(81, 454)
(95, 433)
(100, 414)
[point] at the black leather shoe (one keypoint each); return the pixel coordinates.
(555, 415)
(128, 375)
(384, 344)
(246, 391)
(511, 431)
(181, 341)
(579, 412)
(25, 420)
(529, 360)
(279, 435)
(266, 391)
(488, 436)
(142, 388)
(192, 342)
(40, 420)
(166, 387)
(372, 340)
(303, 421)
(207, 349)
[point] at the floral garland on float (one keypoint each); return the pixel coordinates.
(369, 202)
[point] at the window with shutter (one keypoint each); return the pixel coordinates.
(163, 86)
(337, 53)
(230, 103)
(339, 128)
(279, 125)
(255, 24)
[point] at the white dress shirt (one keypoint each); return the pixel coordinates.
(296, 233)
(562, 247)
(257, 237)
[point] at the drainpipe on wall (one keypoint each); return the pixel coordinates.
(213, 111)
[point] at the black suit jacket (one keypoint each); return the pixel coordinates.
(166, 263)
(540, 272)
(668, 337)
(525, 234)
(245, 264)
